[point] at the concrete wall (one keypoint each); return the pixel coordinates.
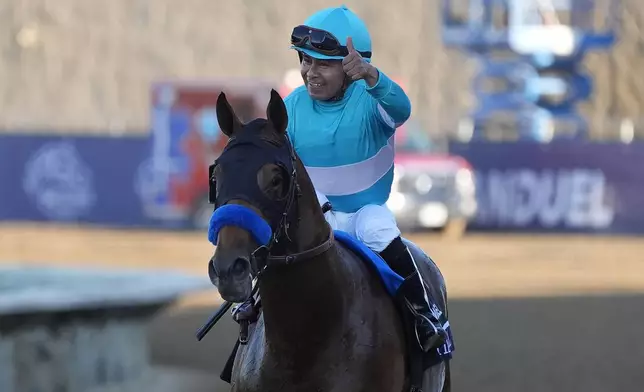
(86, 66)
(75, 351)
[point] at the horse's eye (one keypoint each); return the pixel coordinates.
(277, 180)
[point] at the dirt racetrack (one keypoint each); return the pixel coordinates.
(529, 313)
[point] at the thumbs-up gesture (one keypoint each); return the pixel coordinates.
(357, 68)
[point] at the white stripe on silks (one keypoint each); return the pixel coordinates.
(386, 117)
(353, 178)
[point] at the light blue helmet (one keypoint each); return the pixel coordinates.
(342, 23)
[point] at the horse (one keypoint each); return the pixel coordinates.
(327, 322)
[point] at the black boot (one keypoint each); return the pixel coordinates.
(431, 334)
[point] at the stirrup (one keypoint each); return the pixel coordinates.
(435, 339)
(437, 333)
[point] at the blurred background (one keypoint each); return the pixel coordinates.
(521, 173)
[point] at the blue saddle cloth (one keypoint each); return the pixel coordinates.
(392, 282)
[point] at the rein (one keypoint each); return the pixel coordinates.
(262, 254)
(263, 257)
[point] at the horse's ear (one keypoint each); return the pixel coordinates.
(276, 112)
(228, 120)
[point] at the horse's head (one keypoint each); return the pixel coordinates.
(253, 187)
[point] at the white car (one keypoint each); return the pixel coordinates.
(431, 189)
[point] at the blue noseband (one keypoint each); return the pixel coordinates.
(242, 217)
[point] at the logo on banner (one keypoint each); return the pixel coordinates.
(152, 185)
(59, 182)
(573, 198)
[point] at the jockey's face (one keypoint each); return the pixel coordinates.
(324, 79)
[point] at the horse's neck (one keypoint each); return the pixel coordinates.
(304, 303)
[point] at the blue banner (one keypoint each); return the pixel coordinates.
(561, 186)
(75, 179)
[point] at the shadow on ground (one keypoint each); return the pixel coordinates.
(589, 344)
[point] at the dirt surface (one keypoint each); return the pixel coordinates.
(475, 266)
(530, 313)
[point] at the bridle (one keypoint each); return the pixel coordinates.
(262, 257)
(268, 256)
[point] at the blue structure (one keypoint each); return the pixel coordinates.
(531, 51)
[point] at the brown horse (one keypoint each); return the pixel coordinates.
(327, 324)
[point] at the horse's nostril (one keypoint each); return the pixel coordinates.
(212, 273)
(240, 267)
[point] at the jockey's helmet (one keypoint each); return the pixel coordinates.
(341, 23)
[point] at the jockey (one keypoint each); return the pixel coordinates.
(342, 123)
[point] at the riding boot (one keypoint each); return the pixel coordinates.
(431, 334)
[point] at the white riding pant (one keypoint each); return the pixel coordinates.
(374, 225)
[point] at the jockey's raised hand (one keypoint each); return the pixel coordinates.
(357, 68)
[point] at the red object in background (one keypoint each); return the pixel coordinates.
(195, 145)
(190, 147)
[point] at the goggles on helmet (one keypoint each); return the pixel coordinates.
(321, 41)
